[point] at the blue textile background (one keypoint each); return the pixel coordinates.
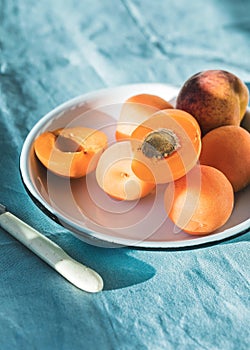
(51, 51)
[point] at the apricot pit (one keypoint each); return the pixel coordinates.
(160, 144)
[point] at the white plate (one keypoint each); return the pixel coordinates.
(82, 207)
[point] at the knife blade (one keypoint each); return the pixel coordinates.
(76, 273)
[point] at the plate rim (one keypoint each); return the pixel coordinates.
(91, 236)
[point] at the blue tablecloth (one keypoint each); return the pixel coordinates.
(51, 51)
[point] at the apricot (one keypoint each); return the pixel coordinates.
(70, 152)
(228, 149)
(201, 201)
(215, 98)
(166, 146)
(115, 177)
(135, 110)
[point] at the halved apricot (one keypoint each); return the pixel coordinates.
(70, 152)
(135, 110)
(166, 146)
(115, 176)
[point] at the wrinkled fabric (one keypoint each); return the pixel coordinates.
(51, 51)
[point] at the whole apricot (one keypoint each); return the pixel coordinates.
(228, 149)
(201, 201)
(215, 98)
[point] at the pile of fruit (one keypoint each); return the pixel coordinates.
(198, 148)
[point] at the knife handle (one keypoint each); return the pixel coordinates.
(76, 273)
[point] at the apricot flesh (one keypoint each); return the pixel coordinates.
(115, 176)
(70, 152)
(135, 110)
(228, 149)
(215, 98)
(200, 202)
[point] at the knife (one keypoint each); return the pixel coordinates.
(79, 275)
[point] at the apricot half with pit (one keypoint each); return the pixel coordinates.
(70, 152)
(165, 146)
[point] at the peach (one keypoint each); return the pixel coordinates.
(228, 149)
(115, 176)
(70, 152)
(215, 98)
(135, 110)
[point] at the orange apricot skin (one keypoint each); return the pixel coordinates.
(227, 148)
(135, 110)
(76, 163)
(179, 162)
(209, 202)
